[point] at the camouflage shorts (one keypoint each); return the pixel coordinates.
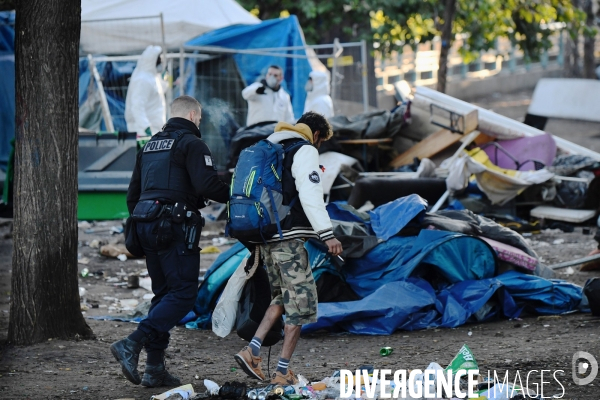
(291, 279)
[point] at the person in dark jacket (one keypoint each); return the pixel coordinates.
(174, 174)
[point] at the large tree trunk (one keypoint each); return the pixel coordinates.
(45, 297)
(588, 43)
(449, 12)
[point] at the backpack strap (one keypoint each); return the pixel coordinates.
(275, 212)
(287, 149)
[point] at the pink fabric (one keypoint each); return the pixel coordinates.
(512, 255)
(541, 148)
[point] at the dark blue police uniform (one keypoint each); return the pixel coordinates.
(174, 167)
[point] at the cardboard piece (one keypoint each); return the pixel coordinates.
(427, 147)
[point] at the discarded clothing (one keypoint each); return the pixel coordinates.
(491, 229)
(568, 164)
(356, 238)
(372, 125)
(500, 185)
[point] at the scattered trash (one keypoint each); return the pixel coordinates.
(233, 369)
(133, 282)
(116, 229)
(210, 250)
(148, 296)
(95, 244)
(181, 392)
(83, 260)
(116, 251)
(128, 304)
(558, 241)
(84, 225)
(385, 351)
(85, 272)
(146, 283)
(568, 271)
(221, 241)
(211, 387)
(82, 292)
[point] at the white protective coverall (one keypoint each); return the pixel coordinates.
(145, 103)
(270, 106)
(318, 99)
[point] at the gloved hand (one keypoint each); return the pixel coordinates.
(261, 90)
(148, 131)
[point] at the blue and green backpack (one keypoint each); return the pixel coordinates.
(255, 208)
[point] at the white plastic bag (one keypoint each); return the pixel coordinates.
(223, 318)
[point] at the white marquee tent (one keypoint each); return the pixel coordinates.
(121, 26)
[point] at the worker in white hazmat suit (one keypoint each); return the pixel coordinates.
(317, 94)
(267, 100)
(145, 110)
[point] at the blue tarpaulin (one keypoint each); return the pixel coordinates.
(434, 279)
(7, 85)
(274, 33)
(389, 219)
(113, 75)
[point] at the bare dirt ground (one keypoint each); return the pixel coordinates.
(59, 369)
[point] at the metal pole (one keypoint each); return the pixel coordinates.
(169, 93)
(337, 51)
(181, 72)
(365, 77)
(572, 263)
(561, 48)
(103, 102)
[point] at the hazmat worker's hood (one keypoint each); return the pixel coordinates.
(147, 62)
(320, 81)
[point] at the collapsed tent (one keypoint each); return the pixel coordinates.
(412, 275)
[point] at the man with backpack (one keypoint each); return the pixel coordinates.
(277, 201)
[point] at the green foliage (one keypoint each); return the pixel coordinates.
(317, 16)
(395, 23)
(527, 23)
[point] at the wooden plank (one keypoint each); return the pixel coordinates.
(483, 139)
(427, 147)
(366, 141)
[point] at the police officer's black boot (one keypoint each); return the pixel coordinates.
(127, 353)
(156, 373)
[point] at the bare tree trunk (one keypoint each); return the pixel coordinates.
(45, 297)
(447, 39)
(588, 43)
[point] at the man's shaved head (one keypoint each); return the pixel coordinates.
(182, 106)
(187, 107)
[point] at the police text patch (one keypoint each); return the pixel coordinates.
(158, 145)
(208, 161)
(314, 177)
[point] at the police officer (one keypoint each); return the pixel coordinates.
(173, 175)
